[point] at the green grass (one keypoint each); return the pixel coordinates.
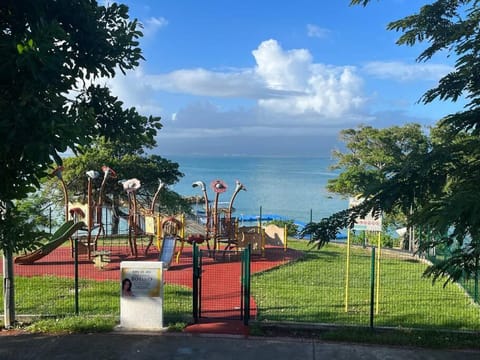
(52, 296)
(73, 324)
(309, 290)
(312, 289)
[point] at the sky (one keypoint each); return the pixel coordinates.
(275, 78)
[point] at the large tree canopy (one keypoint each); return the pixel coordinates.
(369, 160)
(372, 155)
(127, 160)
(441, 187)
(51, 53)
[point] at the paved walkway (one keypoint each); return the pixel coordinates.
(119, 345)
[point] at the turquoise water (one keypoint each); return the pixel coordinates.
(290, 187)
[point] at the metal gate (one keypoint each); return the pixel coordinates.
(221, 284)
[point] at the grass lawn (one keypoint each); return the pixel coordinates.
(309, 290)
(312, 289)
(54, 296)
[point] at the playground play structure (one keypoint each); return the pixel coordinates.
(221, 228)
(86, 224)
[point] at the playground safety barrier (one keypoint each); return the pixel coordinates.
(300, 284)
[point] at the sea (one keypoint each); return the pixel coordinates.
(292, 188)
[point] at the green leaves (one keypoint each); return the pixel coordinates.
(48, 49)
(373, 156)
(436, 184)
(25, 47)
(359, 2)
(128, 161)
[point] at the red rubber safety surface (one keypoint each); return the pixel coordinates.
(221, 277)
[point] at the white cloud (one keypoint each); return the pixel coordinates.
(283, 81)
(326, 91)
(399, 71)
(236, 83)
(316, 31)
(286, 94)
(153, 24)
(282, 70)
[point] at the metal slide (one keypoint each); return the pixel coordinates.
(168, 249)
(58, 238)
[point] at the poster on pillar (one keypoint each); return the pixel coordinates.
(141, 295)
(150, 225)
(369, 222)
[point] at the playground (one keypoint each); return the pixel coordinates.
(290, 280)
(87, 247)
(97, 228)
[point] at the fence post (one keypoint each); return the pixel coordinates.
(8, 278)
(347, 271)
(246, 285)
(379, 254)
(195, 288)
(372, 288)
(8, 290)
(75, 250)
(242, 285)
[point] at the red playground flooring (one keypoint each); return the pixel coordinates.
(220, 293)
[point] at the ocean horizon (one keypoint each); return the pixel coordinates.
(291, 187)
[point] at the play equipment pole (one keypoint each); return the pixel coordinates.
(155, 197)
(218, 186)
(238, 187)
(131, 186)
(65, 196)
(134, 221)
(208, 214)
(58, 173)
(182, 230)
(215, 222)
(347, 278)
(159, 232)
(260, 218)
(378, 271)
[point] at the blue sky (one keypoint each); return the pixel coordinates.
(273, 77)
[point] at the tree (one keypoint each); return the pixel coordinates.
(50, 54)
(371, 157)
(440, 187)
(372, 154)
(128, 161)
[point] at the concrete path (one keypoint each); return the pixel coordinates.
(120, 345)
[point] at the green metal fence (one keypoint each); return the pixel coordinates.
(313, 290)
(310, 289)
(48, 287)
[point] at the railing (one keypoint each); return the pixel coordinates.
(299, 284)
